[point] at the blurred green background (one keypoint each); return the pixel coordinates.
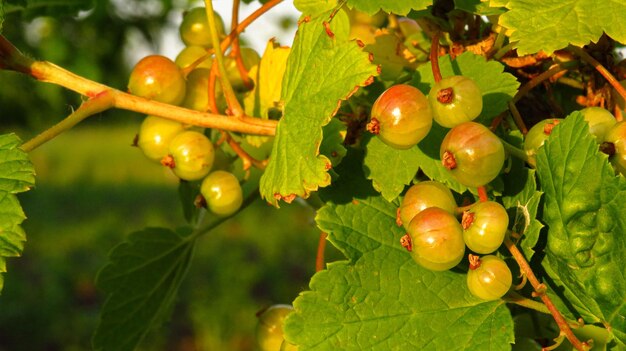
(93, 189)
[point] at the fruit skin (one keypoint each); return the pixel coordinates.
(269, 330)
(436, 239)
(155, 135)
(157, 78)
(472, 154)
(194, 30)
(491, 280)
(222, 193)
(600, 121)
(465, 103)
(403, 116)
(197, 97)
(537, 135)
(250, 58)
(425, 194)
(617, 136)
(190, 54)
(484, 226)
(193, 155)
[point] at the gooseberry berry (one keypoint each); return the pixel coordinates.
(472, 154)
(194, 30)
(222, 193)
(454, 100)
(269, 330)
(422, 195)
(484, 226)
(191, 155)
(436, 239)
(157, 78)
(401, 116)
(155, 135)
(489, 278)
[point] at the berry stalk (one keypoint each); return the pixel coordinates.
(321, 246)
(97, 104)
(233, 105)
(434, 57)
(540, 290)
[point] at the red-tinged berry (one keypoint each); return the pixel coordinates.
(401, 116)
(157, 78)
(436, 239)
(472, 153)
(423, 195)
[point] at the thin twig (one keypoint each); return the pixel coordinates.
(540, 290)
(88, 108)
(321, 246)
(598, 66)
(434, 57)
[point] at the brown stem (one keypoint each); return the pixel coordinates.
(321, 246)
(434, 57)
(517, 118)
(245, 156)
(598, 66)
(540, 291)
(528, 86)
(12, 59)
(235, 50)
(482, 194)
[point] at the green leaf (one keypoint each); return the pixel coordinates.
(497, 87)
(479, 7)
(382, 300)
(390, 169)
(141, 283)
(313, 87)
(56, 8)
(314, 7)
(16, 175)
(397, 7)
(332, 144)
(521, 199)
(16, 172)
(553, 24)
(585, 211)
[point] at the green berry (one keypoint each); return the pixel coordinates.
(155, 135)
(194, 30)
(489, 278)
(455, 100)
(222, 193)
(191, 155)
(157, 78)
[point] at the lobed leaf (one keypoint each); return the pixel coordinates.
(585, 211)
(397, 7)
(313, 86)
(382, 300)
(314, 7)
(141, 283)
(16, 175)
(553, 24)
(390, 169)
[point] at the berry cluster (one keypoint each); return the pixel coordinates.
(436, 239)
(402, 116)
(188, 151)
